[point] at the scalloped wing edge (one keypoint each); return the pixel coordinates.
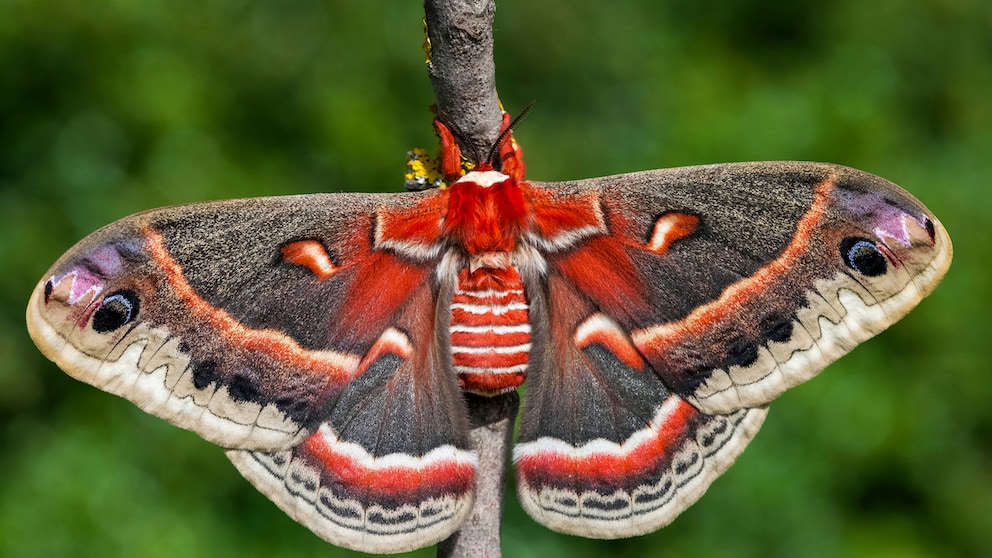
(215, 420)
(693, 466)
(861, 321)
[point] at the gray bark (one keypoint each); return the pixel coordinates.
(492, 432)
(463, 73)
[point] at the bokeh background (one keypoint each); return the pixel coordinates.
(109, 108)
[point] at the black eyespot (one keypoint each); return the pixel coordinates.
(244, 387)
(48, 290)
(116, 310)
(862, 255)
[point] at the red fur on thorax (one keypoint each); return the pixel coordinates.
(485, 219)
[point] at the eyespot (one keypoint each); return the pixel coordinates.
(862, 255)
(205, 373)
(116, 310)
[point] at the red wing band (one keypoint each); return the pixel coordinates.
(607, 490)
(392, 503)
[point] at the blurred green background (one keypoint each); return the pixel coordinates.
(109, 108)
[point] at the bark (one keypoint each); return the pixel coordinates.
(492, 432)
(462, 71)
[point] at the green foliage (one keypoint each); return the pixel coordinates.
(109, 108)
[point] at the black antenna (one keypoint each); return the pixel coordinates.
(502, 136)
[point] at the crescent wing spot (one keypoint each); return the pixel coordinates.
(312, 255)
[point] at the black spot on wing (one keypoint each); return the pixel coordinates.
(205, 373)
(116, 310)
(777, 329)
(691, 369)
(244, 387)
(862, 255)
(742, 352)
(294, 407)
(931, 230)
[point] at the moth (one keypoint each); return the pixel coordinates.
(327, 340)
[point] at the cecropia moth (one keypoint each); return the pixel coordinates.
(326, 340)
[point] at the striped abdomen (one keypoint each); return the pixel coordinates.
(490, 330)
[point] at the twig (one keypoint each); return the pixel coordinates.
(492, 431)
(462, 71)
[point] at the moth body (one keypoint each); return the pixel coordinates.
(490, 319)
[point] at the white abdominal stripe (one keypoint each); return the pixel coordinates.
(146, 366)
(372, 510)
(490, 333)
(651, 478)
(494, 309)
(839, 314)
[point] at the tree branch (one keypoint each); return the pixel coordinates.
(492, 432)
(462, 71)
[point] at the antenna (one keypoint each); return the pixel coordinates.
(492, 158)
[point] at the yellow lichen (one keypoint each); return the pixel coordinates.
(427, 43)
(422, 171)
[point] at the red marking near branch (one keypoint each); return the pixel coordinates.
(670, 227)
(339, 367)
(554, 462)
(311, 255)
(511, 155)
(451, 154)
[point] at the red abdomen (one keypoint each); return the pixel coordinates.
(490, 330)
